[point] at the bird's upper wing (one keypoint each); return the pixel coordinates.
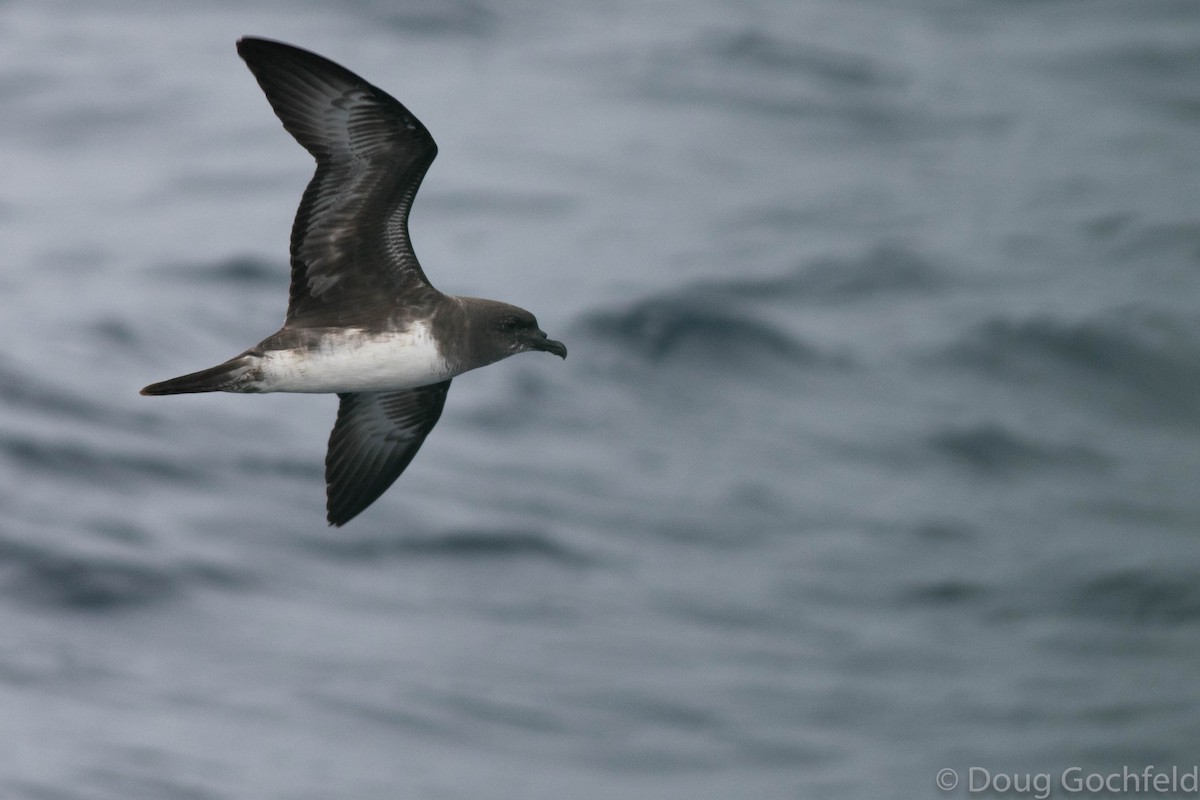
(375, 437)
(350, 244)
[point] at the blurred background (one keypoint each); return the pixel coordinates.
(876, 451)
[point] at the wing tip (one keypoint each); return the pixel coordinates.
(261, 53)
(363, 459)
(342, 504)
(249, 44)
(339, 510)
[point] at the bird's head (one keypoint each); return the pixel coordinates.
(500, 330)
(519, 331)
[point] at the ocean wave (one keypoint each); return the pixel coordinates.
(468, 543)
(727, 322)
(99, 565)
(1164, 72)
(78, 460)
(239, 270)
(84, 583)
(886, 269)
(282, 466)
(1174, 242)
(993, 448)
(529, 203)
(433, 17)
(948, 592)
(694, 329)
(1141, 595)
(764, 72)
(115, 331)
(1149, 362)
(759, 49)
(27, 391)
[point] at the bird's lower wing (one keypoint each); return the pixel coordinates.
(374, 439)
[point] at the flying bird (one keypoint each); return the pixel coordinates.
(363, 320)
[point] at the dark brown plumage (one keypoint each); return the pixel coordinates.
(357, 285)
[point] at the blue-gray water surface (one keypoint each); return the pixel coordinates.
(876, 452)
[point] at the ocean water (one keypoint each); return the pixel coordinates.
(876, 452)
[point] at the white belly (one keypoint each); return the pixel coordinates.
(356, 362)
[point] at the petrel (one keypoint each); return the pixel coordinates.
(363, 320)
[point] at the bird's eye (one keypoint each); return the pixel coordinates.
(510, 323)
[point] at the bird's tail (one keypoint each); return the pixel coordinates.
(235, 375)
